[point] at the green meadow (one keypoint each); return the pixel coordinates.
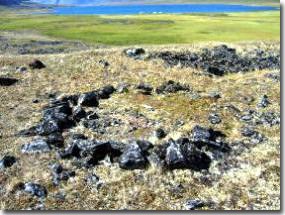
(150, 29)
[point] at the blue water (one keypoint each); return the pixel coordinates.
(154, 9)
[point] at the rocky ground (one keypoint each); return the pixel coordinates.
(158, 127)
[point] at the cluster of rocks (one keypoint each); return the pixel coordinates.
(66, 112)
(221, 60)
(194, 152)
(8, 81)
(34, 189)
(254, 118)
(167, 87)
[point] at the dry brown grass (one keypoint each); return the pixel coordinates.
(251, 182)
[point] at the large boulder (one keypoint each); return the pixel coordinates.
(183, 154)
(90, 99)
(133, 157)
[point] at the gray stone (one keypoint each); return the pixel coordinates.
(133, 158)
(36, 146)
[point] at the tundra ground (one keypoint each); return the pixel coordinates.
(248, 178)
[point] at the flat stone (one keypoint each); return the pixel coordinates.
(5, 81)
(35, 189)
(36, 146)
(193, 204)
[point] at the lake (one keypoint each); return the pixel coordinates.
(157, 9)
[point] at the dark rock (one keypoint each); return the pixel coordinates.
(171, 87)
(36, 146)
(200, 134)
(98, 150)
(174, 158)
(7, 161)
(254, 136)
(106, 92)
(5, 81)
(215, 118)
(78, 113)
(216, 71)
(145, 89)
(57, 168)
(248, 115)
(135, 52)
(183, 154)
(264, 102)
(71, 99)
(57, 107)
(60, 174)
(104, 63)
(56, 140)
(145, 146)
(35, 101)
(77, 136)
(90, 99)
(94, 181)
(116, 149)
(35, 189)
(55, 117)
(71, 151)
(92, 150)
(195, 159)
(22, 69)
(193, 204)
(208, 137)
(36, 64)
(269, 119)
(160, 133)
(133, 158)
(47, 127)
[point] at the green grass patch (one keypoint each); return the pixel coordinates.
(151, 29)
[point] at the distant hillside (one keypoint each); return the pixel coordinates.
(108, 2)
(12, 2)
